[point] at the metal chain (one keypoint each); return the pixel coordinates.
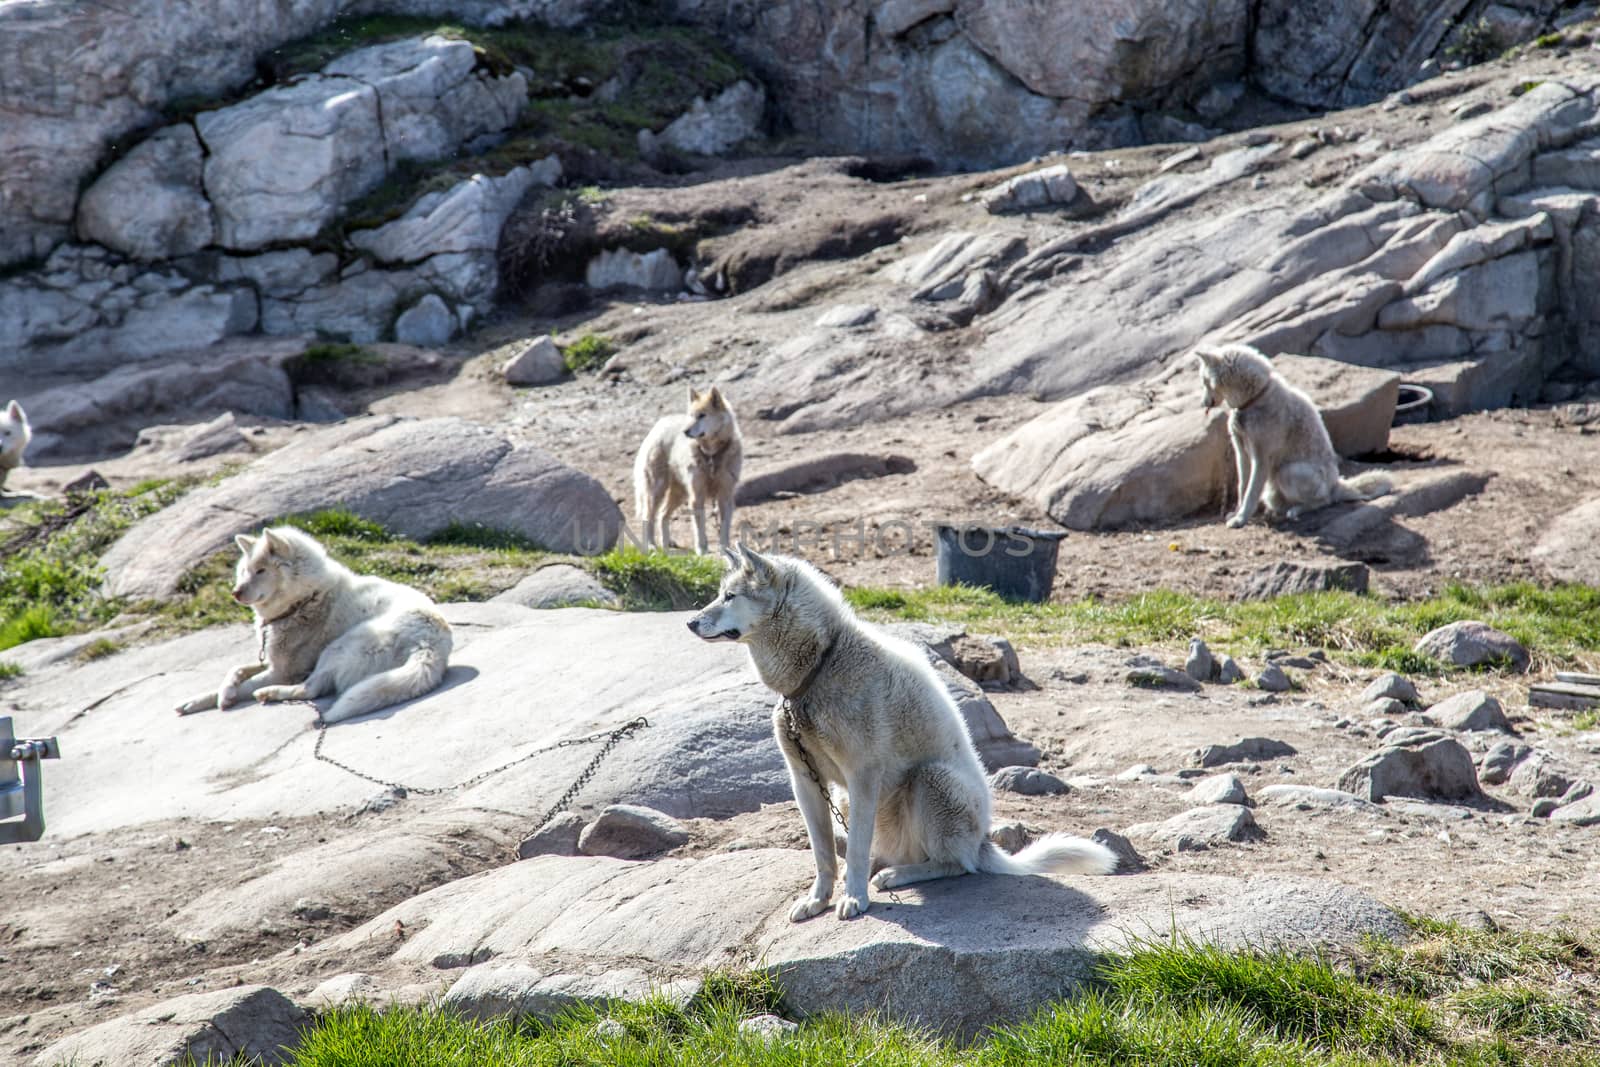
(793, 731)
(610, 737)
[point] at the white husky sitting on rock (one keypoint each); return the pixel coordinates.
(865, 711)
(15, 433)
(324, 629)
(1285, 458)
(696, 457)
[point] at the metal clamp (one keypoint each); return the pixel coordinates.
(21, 784)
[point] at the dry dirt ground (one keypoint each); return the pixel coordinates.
(93, 944)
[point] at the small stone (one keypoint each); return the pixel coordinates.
(429, 323)
(1011, 836)
(311, 910)
(630, 831)
(1178, 159)
(1471, 110)
(1244, 751)
(1304, 147)
(1385, 708)
(1421, 764)
(1497, 764)
(1028, 781)
(1137, 771)
(1311, 798)
(768, 1028)
(1544, 807)
(847, 316)
(1147, 672)
(1542, 775)
(1273, 680)
(1474, 644)
(1219, 789)
(1473, 710)
(1585, 812)
(1200, 665)
(1128, 859)
(558, 837)
(1287, 577)
(540, 363)
(1229, 672)
(1391, 686)
(1035, 189)
(1201, 828)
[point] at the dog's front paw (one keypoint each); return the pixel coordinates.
(189, 707)
(850, 906)
(1236, 521)
(269, 693)
(227, 695)
(806, 907)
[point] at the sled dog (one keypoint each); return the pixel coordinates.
(694, 457)
(1285, 459)
(865, 712)
(15, 433)
(324, 629)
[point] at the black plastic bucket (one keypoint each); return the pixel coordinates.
(1017, 563)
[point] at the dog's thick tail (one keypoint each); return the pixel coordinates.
(1368, 485)
(421, 672)
(1051, 854)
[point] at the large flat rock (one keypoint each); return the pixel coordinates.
(416, 477)
(1567, 548)
(519, 680)
(957, 955)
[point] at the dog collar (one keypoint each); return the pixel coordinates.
(1253, 399)
(811, 676)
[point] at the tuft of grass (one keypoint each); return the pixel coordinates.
(1558, 624)
(339, 523)
(477, 535)
(1586, 720)
(1550, 40)
(1518, 1010)
(588, 352)
(1293, 997)
(99, 648)
(657, 581)
(9, 671)
(1475, 42)
(1441, 956)
(31, 623)
(339, 352)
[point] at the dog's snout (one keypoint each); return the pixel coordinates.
(694, 625)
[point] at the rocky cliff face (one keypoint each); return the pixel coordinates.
(986, 82)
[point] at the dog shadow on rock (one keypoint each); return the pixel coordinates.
(983, 912)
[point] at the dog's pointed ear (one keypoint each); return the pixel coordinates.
(276, 545)
(245, 542)
(716, 400)
(731, 556)
(694, 396)
(758, 564)
(1205, 357)
(14, 410)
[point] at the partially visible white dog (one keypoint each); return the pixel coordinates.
(15, 433)
(324, 629)
(694, 457)
(867, 713)
(1285, 459)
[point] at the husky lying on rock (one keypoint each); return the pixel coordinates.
(324, 629)
(864, 711)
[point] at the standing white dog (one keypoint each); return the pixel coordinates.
(15, 433)
(695, 456)
(1285, 459)
(324, 629)
(865, 711)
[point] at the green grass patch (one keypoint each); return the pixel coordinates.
(99, 648)
(339, 523)
(1161, 1004)
(658, 581)
(1558, 624)
(1442, 956)
(9, 671)
(339, 352)
(1523, 1011)
(1586, 720)
(588, 352)
(50, 560)
(477, 535)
